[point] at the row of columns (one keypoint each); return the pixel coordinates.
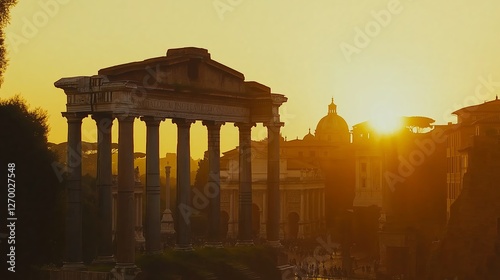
(125, 242)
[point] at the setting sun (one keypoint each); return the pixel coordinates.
(386, 122)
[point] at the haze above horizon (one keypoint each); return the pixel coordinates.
(405, 57)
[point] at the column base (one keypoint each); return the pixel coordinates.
(217, 245)
(104, 260)
(244, 243)
(274, 244)
(125, 271)
(75, 266)
(184, 247)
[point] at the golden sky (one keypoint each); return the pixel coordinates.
(375, 57)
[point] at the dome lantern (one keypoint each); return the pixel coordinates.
(332, 108)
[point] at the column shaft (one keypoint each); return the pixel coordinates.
(153, 222)
(245, 187)
(273, 183)
(214, 182)
(73, 249)
(104, 123)
(183, 213)
(125, 227)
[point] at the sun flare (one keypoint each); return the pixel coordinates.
(386, 123)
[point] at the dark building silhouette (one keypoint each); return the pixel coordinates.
(469, 249)
(385, 199)
(478, 120)
(399, 204)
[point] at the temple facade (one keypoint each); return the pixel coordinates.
(186, 86)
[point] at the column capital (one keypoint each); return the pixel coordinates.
(213, 124)
(183, 122)
(152, 121)
(125, 117)
(74, 117)
(273, 124)
(104, 121)
(244, 125)
(102, 115)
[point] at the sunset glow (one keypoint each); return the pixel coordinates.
(232, 139)
(386, 123)
(355, 51)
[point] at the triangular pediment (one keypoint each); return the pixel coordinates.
(185, 68)
(185, 83)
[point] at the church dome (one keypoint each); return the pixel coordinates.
(309, 136)
(332, 127)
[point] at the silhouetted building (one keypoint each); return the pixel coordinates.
(302, 195)
(477, 120)
(330, 151)
(399, 199)
(317, 175)
(469, 249)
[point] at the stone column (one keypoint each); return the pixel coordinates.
(214, 183)
(273, 184)
(183, 213)
(152, 226)
(73, 248)
(104, 123)
(125, 224)
(245, 189)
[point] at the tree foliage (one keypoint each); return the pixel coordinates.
(201, 178)
(39, 201)
(89, 156)
(417, 123)
(5, 6)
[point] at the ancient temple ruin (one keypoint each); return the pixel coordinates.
(185, 86)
